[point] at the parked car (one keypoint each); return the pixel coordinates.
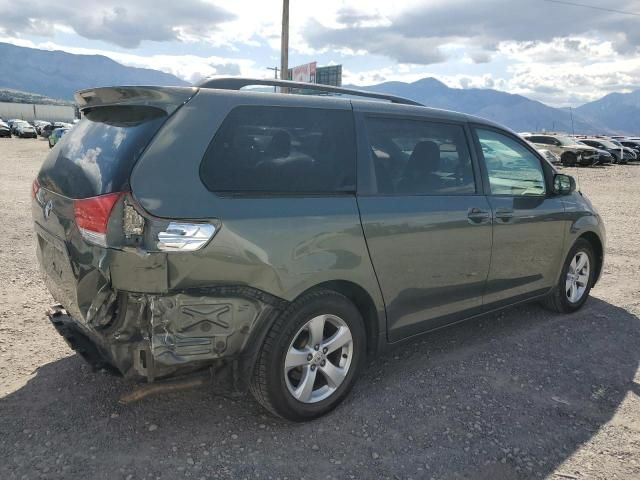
(13, 124)
(47, 129)
(548, 155)
(615, 151)
(5, 131)
(228, 230)
(571, 153)
(25, 130)
(39, 124)
(628, 154)
(604, 157)
(632, 144)
(56, 135)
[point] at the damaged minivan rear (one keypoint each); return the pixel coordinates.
(167, 253)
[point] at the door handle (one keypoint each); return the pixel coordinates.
(504, 215)
(477, 216)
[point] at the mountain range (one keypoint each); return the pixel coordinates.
(515, 111)
(59, 74)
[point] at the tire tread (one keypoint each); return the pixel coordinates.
(554, 301)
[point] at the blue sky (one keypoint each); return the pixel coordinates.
(548, 50)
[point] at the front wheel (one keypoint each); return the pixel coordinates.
(576, 280)
(311, 357)
(569, 159)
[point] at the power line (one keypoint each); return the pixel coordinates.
(573, 4)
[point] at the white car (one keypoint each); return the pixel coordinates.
(549, 156)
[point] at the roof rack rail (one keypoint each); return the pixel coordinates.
(236, 83)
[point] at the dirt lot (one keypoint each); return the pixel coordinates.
(523, 394)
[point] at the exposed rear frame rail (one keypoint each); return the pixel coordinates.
(237, 83)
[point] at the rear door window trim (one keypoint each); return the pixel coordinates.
(366, 169)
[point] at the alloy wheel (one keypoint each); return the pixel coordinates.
(318, 359)
(577, 277)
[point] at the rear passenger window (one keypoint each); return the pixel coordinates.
(413, 157)
(282, 150)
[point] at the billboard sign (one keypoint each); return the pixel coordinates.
(304, 73)
(329, 75)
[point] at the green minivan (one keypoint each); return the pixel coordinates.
(281, 239)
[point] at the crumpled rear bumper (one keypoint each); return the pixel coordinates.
(159, 336)
(78, 340)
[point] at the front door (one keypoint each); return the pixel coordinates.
(426, 223)
(529, 222)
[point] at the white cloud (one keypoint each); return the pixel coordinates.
(120, 22)
(554, 53)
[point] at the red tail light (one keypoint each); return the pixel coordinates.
(35, 188)
(92, 216)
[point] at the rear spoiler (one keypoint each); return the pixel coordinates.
(166, 98)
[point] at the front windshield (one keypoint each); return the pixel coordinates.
(616, 143)
(566, 140)
(607, 143)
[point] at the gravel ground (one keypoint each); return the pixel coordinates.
(522, 394)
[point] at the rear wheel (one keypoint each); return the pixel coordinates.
(311, 357)
(576, 279)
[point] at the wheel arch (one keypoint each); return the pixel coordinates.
(598, 250)
(569, 156)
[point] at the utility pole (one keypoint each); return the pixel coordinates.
(284, 44)
(573, 132)
(275, 71)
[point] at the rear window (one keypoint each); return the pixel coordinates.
(96, 156)
(288, 150)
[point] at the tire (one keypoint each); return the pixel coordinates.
(559, 299)
(569, 159)
(275, 387)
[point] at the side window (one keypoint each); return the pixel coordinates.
(512, 168)
(413, 157)
(282, 150)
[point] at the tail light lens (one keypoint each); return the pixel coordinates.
(35, 188)
(92, 216)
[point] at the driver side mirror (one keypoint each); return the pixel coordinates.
(563, 184)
